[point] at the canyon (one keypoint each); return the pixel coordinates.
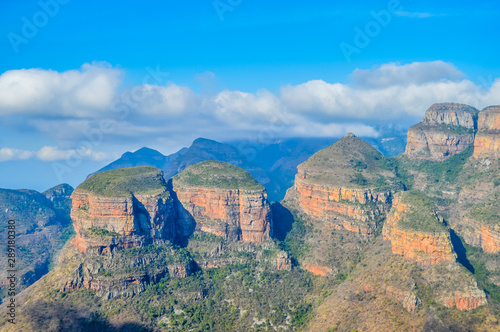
(364, 240)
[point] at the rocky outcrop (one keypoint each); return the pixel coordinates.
(447, 129)
(358, 208)
(342, 186)
(136, 218)
(481, 235)
(235, 209)
(317, 270)
(126, 274)
(487, 142)
(415, 234)
(467, 299)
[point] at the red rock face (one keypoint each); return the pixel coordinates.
(467, 300)
(478, 234)
(317, 270)
(423, 248)
(321, 201)
(487, 142)
(136, 220)
(446, 129)
(233, 214)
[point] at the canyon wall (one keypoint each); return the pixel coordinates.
(446, 129)
(487, 142)
(422, 246)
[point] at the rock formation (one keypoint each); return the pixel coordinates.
(487, 142)
(346, 185)
(222, 199)
(446, 129)
(480, 231)
(127, 207)
(416, 231)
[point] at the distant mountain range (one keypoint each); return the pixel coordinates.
(274, 164)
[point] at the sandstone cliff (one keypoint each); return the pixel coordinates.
(416, 231)
(126, 207)
(487, 142)
(446, 129)
(224, 200)
(480, 227)
(348, 185)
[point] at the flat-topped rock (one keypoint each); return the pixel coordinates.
(222, 199)
(125, 207)
(447, 129)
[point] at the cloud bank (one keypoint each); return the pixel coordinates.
(71, 106)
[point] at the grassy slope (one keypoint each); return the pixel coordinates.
(352, 163)
(146, 180)
(422, 215)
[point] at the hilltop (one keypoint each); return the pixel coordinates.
(216, 174)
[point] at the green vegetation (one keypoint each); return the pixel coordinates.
(360, 180)
(437, 171)
(488, 212)
(205, 237)
(122, 182)
(478, 260)
(352, 162)
(295, 241)
(422, 215)
(101, 232)
(216, 174)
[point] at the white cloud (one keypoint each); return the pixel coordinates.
(169, 100)
(47, 93)
(51, 153)
(390, 93)
(7, 154)
(403, 75)
(242, 108)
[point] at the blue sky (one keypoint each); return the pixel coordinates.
(230, 71)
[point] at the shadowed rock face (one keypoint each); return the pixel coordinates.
(224, 200)
(487, 142)
(420, 242)
(446, 129)
(129, 217)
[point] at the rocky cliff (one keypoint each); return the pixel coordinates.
(480, 227)
(487, 142)
(348, 185)
(222, 199)
(446, 129)
(127, 207)
(416, 231)
(127, 272)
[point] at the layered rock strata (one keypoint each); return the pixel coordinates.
(481, 235)
(487, 142)
(345, 185)
(133, 215)
(415, 234)
(447, 129)
(222, 199)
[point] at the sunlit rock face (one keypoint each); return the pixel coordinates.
(347, 185)
(487, 142)
(122, 208)
(447, 129)
(224, 200)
